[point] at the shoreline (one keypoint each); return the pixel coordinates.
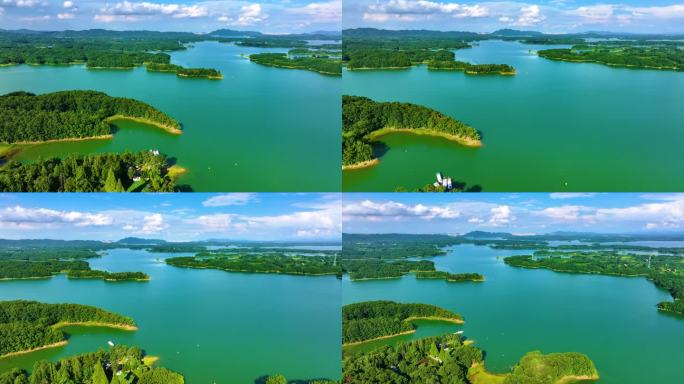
(465, 141)
(613, 64)
(379, 338)
(268, 272)
(124, 327)
(361, 165)
(100, 137)
(435, 318)
(167, 128)
(24, 352)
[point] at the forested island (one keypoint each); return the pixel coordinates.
(372, 320)
(450, 277)
(663, 270)
(27, 326)
(263, 262)
(471, 69)
(310, 62)
(365, 120)
(145, 171)
(180, 71)
(119, 365)
(74, 269)
(70, 115)
(448, 359)
(661, 57)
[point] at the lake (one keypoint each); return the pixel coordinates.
(555, 126)
(211, 326)
(613, 320)
(257, 129)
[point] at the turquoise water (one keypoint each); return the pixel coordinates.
(257, 129)
(555, 126)
(211, 326)
(613, 320)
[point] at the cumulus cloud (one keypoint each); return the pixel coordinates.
(248, 15)
(319, 12)
(39, 217)
(229, 199)
(68, 4)
(65, 15)
(20, 3)
(131, 11)
(409, 10)
(564, 212)
(529, 15)
(370, 210)
(153, 224)
(500, 216)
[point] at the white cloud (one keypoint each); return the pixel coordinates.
(320, 12)
(248, 15)
(570, 195)
(595, 13)
(65, 15)
(409, 10)
(529, 15)
(500, 215)
(132, 11)
(675, 11)
(229, 199)
(153, 224)
(68, 4)
(39, 217)
(20, 3)
(371, 210)
(214, 222)
(565, 212)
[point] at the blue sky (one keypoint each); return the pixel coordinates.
(271, 16)
(551, 16)
(178, 217)
(526, 213)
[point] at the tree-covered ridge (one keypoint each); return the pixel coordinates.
(663, 57)
(181, 71)
(448, 360)
(375, 319)
(665, 271)
(126, 172)
(364, 119)
(369, 269)
(450, 277)
(119, 365)
(471, 69)
(74, 269)
(26, 117)
(366, 58)
(25, 253)
(28, 325)
(320, 64)
(262, 262)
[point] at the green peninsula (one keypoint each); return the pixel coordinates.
(373, 320)
(27, 326)
(74, 269)
(663, 57)
(180, 71)
(309, 61)
(665, 271)
(264, 262)
(119, 365)
(365, 120)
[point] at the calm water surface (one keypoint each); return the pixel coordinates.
(212, 326)
(554, 126)
(257, 129)
(611, 319)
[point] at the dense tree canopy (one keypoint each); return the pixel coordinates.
(180, 71)
(450, 277)
(69, 115)
(665, 57)
(25, 325)
(472, 69)
(119, 365)
(262, 262)
(324, 65)
(132, 172)
(372, 319)
(362, 117)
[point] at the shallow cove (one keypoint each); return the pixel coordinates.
(258, 129)
(553, 126)
(613, 320)
(212, 326)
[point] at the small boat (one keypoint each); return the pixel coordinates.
(458, 333)
(111, 343)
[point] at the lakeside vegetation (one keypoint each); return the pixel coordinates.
(120, 365)
(321, 64)
(471, 69)
(450, 277)
(379, 319)
(378, 58)
(447, 359)
(263, 262)
(74, 269)
(664, 271)
(29, 118)
(660, 57)
(30, 325)
(107, 276)
(364, 120)
(181, 71)
(111, 172)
